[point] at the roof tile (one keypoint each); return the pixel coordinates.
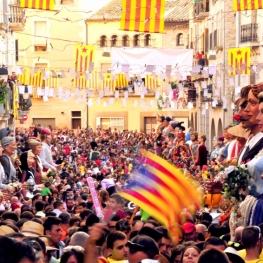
(175, 10)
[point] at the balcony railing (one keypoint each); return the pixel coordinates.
(249, 33)
(201, 9)
(17, 18)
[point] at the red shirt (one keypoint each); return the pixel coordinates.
(108, 214)
(66, 149)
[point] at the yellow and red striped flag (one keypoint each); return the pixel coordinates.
(38, 4)
(160, 190)
(143, 15)
(108, 82)
(121, 80)
(84, 54)
(237, 57)
(150, 83)
(241, 5)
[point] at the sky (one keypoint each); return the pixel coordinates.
(95, 4)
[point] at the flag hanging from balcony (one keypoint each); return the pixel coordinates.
(143, 15)
(239, 60)
(84, 54)
(38, 4)
(241, 5)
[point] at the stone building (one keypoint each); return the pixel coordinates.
(12, 21)
(103, 29)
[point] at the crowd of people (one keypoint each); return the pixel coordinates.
(61, 201)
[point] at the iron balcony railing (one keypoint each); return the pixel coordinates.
(249, 33)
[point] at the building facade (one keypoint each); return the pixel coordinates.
(47, 45)
(12, 22)
(103, 29)
(43, 46)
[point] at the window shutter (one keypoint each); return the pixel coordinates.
(40, 33)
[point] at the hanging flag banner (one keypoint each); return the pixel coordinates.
(143, 16)
(239, 60)
(38, 4)
(242, 5)
(84, 54)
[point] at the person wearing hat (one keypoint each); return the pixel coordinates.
(190, 233)
(4, 186)
(32, 229)
(36, 147)
(6, 230)
(9, 148)
(240, 134)
(49, 250)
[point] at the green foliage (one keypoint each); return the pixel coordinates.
(3, 91)
(235, 182)
(158, 105)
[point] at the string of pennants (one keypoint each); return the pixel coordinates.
(95, 80)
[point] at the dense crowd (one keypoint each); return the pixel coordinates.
(61, 190)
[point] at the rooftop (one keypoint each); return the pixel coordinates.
(175, 11)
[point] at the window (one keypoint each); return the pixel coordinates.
(180, 40)
(136, 41)
(40, 41)
(149, 124)
(147, 40)
(17, 54)
(40, 48)
(41, 65)
(76, 114)
(103, 41)
(114, 41)
(67, 2)
(125, 41)
(76, 123)
(111, 122)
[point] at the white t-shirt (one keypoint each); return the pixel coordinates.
(107, 183)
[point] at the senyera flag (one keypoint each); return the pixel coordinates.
(242, 5)
(38, 4)
(162, 190)
(143, 15)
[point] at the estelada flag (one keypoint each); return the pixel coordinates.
(84, 54)
(241, 5)
(38, 4)
(143, 15)
(108, 82)
(238, 57)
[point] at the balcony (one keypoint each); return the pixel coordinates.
(249, 33)
(17, 18)
(201, 10)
